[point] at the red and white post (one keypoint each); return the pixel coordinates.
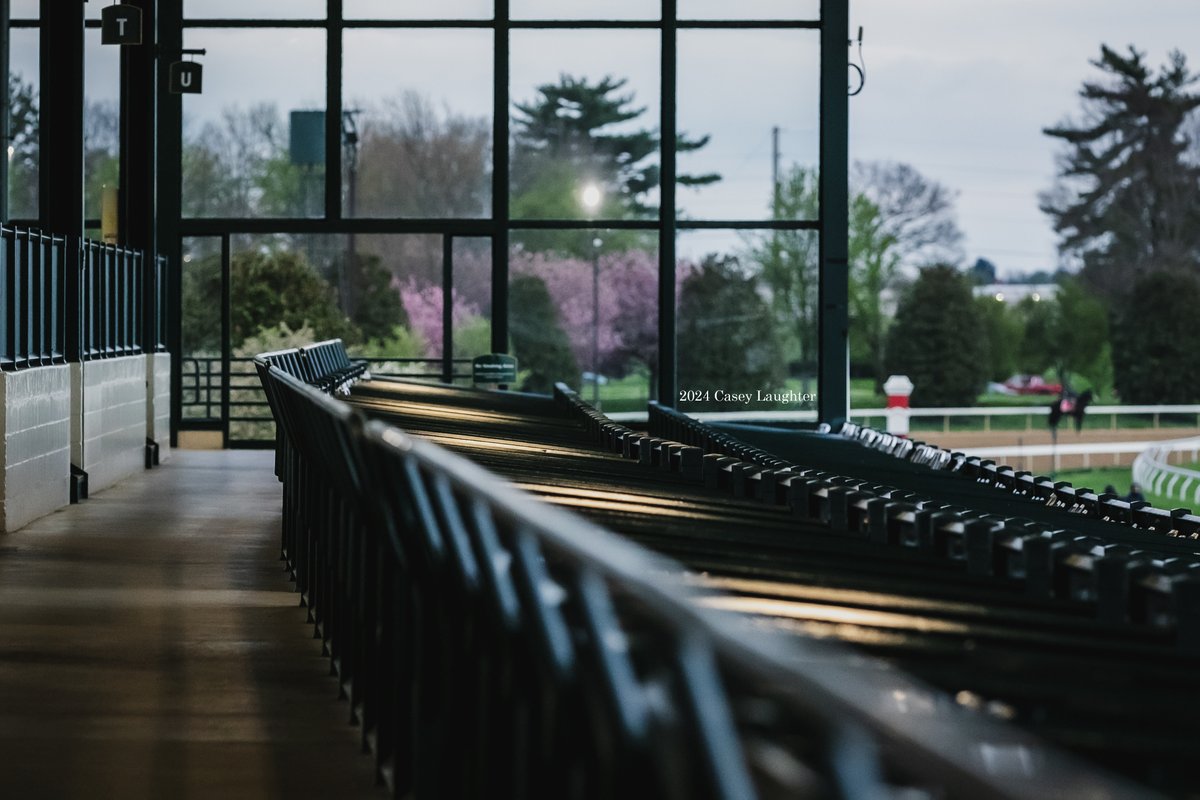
(898, 389)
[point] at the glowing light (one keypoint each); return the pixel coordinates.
(999, 297)
(591, 197)
(1036, 297)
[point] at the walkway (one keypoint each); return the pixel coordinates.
(151, 646)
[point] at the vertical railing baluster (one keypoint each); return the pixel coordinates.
(6, 297)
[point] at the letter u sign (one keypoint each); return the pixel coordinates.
(121, 24)
(186, 77)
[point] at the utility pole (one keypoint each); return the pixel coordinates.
(775, 171)
(350, 272)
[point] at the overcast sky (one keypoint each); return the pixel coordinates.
(959, 88)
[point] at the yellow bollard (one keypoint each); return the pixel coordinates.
(108, 214)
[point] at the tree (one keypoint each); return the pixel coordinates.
(1038, 328)
(576, 130)
(377, 308)
(276, 288)
(23, 139)
(101, 151)
(788, 261)
(727, 339)
(1067, 333)
(240, 167)
(1126, 201)
(542, 349)
(1154, 356)
(1003, 331)
(423, 305)
(874, 266)
(626, 327)
(937, 339)
(916, 214)
(1079, 334)
(983, 272)
(898, 220)
(416, 162)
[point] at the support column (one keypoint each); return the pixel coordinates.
(60, 195)
(833, 387)
(139, 144)
(333, 118)
(169, 196)
(500, 180)
(60, 185)
(667, 357)
(5, 102)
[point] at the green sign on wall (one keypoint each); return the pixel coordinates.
(494, 368)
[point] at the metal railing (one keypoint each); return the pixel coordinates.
(202, 379)
(1035, 416)
(1153, 470)
(32, 280)
(111, 296)
(1156, 416)
(492, 645)
(161, 304)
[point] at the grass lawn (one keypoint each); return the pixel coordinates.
(630, 393)
(1118, 477)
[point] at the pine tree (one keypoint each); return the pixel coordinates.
(1126, 200)
(939, 341)
(727, 338)
(542, 349)
(566, 135)
(1158, 362)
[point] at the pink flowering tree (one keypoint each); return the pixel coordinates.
(423, 304)
(627, 302)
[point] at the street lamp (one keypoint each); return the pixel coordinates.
(591, 196)
(596, 243)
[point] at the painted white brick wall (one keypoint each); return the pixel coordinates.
(35, 451)
(113, 435)
(158, 409)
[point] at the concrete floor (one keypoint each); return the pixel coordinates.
(151, 646)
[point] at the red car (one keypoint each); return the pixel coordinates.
(1032, 384)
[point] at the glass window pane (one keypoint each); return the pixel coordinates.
(764, 79)
(238, 154)
(472, 313)
(424, 123)
(24, 9)
(584, 304)
(401, 319)
(254, 9)
(200, 365)
(101, 120)
(395, 299)
(23, 124)
(585, 114)
(586, 9)
(417, 9)
(283, 293)
(746, 317)
(750, 9)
